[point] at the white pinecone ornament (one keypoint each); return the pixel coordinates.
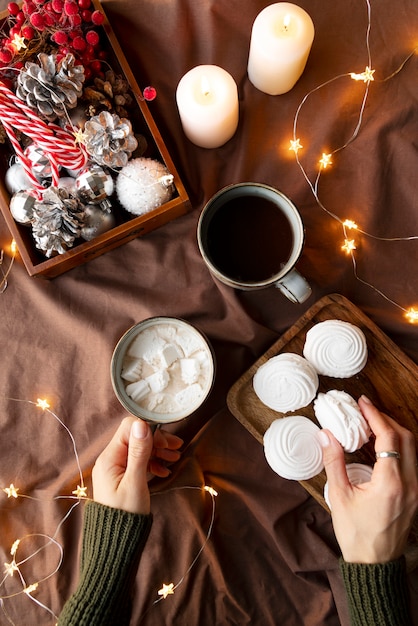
(50, 88)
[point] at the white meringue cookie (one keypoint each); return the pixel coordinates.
(357, 473)
(338, 412)
(336, 348)
(286, 382)
(292, 448)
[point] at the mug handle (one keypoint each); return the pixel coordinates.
(294, 286)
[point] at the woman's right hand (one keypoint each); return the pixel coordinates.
(372, 520)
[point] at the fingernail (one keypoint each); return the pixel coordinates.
(139, 429)
(365, 399)
(323, 439)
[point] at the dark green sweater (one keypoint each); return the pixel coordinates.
(112, 544)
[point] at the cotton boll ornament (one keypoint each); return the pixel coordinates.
(143, 185)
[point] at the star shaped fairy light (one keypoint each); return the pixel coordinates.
(412, 315)
(79, 136)
(295, 145)
(366, 76)
(28, 590)
(10, 568)
(11, 491)
(166, 590)
(18, 42)
(42, 404)
(348, 246)
(325, 160)
(350, 225)
(80, 492)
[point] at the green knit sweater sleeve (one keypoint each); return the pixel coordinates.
(112, 544)
(377, 594)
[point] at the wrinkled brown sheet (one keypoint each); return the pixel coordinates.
(272, 556)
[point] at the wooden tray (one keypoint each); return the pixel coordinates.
(389, 379)
(127, 226)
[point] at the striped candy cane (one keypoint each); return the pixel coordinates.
(58, 145)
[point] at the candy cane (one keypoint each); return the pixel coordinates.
(57, 143)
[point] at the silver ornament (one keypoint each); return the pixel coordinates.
(93, 184)
(41, 165)
(16, 178)
(96, 221)
(21, 207)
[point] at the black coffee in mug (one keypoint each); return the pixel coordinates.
(251, 236)
(249, 239)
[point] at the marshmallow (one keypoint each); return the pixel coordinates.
(336, 348)
(148, 346)
(169, 354)
(189, 396)
(339, 412)
(132, 371)
(292, 448)
(137, 391)
(190, 370)
(286, 382)
(158, 381)
(357, 473)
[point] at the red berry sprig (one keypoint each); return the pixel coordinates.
(69, 24)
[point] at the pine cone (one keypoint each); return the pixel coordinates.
(57, 221)
(51, 88)
(109, 139)
(110, 94)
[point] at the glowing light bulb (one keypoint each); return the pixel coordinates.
(412, 315)
(42, 404)
(325, 160)
(13, 247)
(166, 590)
(348, 246)
(295, 145)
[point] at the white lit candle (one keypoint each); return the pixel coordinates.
(281, 40)
(207, 100)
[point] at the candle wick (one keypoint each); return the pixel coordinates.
(286, 23)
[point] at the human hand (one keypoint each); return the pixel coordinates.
(372, 520)
(133, 455)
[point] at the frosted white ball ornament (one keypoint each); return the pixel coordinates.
(143, 184)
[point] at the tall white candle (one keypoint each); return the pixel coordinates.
(207, 100)
(281, 40)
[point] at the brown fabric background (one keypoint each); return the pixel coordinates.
(272, 556)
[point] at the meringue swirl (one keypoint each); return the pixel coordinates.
(338, 412)
(336, 348)
(286, 382)
(292, 448)
(357, 473)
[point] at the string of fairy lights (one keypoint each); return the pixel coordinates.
(13, 568)
(350, 227)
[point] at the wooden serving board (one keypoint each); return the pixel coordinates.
(389, 379)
